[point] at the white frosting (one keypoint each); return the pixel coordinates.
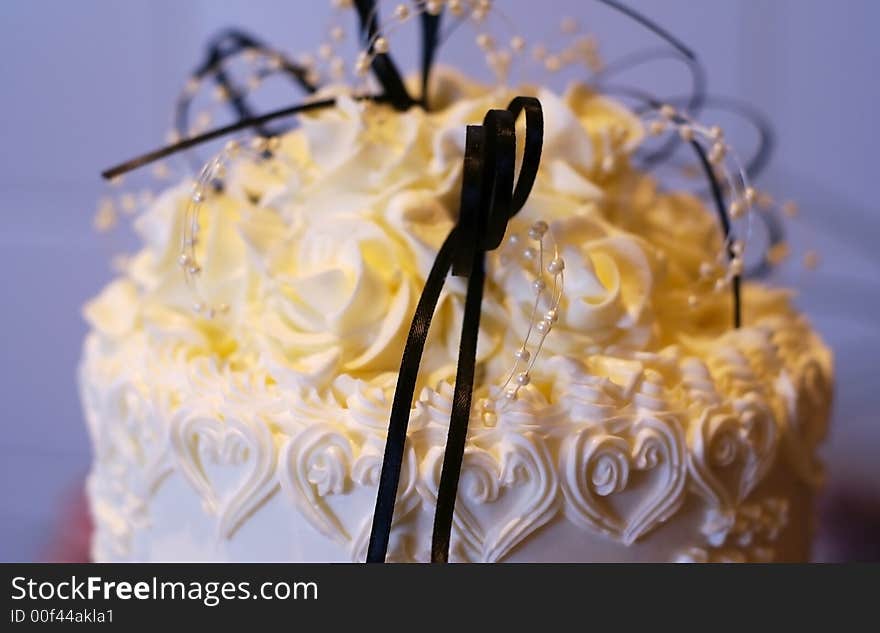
(649, 431)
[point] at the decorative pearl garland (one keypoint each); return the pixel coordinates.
(580, 49)
(540, 323)
(211, 175)
(732, 175)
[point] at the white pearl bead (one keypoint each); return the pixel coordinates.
(198, 196)
(198, 307)
(552, 315)
(401, 12)
(434, 7)
(736, 209)
(381, 45)
(194, 270)
(517, 43)
(717, 153)
(538, 230)
(686, 133)
(556, 266)
(538, 285)
(667, 111)
(510, 394)
(523, 355)
(183, 260)
(523, 378)
(530, 253)
(543, 327)
(488, 404)
(736, 266)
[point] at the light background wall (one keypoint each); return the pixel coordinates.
(86, 83)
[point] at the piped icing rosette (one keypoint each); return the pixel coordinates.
(640, 407)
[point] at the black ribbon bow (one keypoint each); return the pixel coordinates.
(489, 199)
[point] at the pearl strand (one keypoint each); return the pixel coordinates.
(666, 119)
(520, 374)
(211, 175)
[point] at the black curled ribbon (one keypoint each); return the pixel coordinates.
(489, 199)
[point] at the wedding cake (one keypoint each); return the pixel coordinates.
(251, 426)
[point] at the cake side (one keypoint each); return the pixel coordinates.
(650, 430)
(662, 458)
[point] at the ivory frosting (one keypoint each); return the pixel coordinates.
(650, 430)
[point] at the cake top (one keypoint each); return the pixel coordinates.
(310, 262)
(286, 275)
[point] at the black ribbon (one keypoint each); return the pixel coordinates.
(383, 66)
(430, 43)
(724, 220)
(223, 46)
(490, 197)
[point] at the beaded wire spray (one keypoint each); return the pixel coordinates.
(731, 174)
(544, 314)
(211, 177)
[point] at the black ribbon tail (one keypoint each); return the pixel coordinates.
(489, 198)
(244, 124)
(383, 66)
(650, 25)
(430, 42)
(718, 197)
(402, 403)
(461, 411)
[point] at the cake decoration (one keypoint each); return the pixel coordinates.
(294, 380)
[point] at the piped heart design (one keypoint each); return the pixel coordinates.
(506, 492)
(730, 452)
(597, 464)
(230, 463)
(332, 480)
